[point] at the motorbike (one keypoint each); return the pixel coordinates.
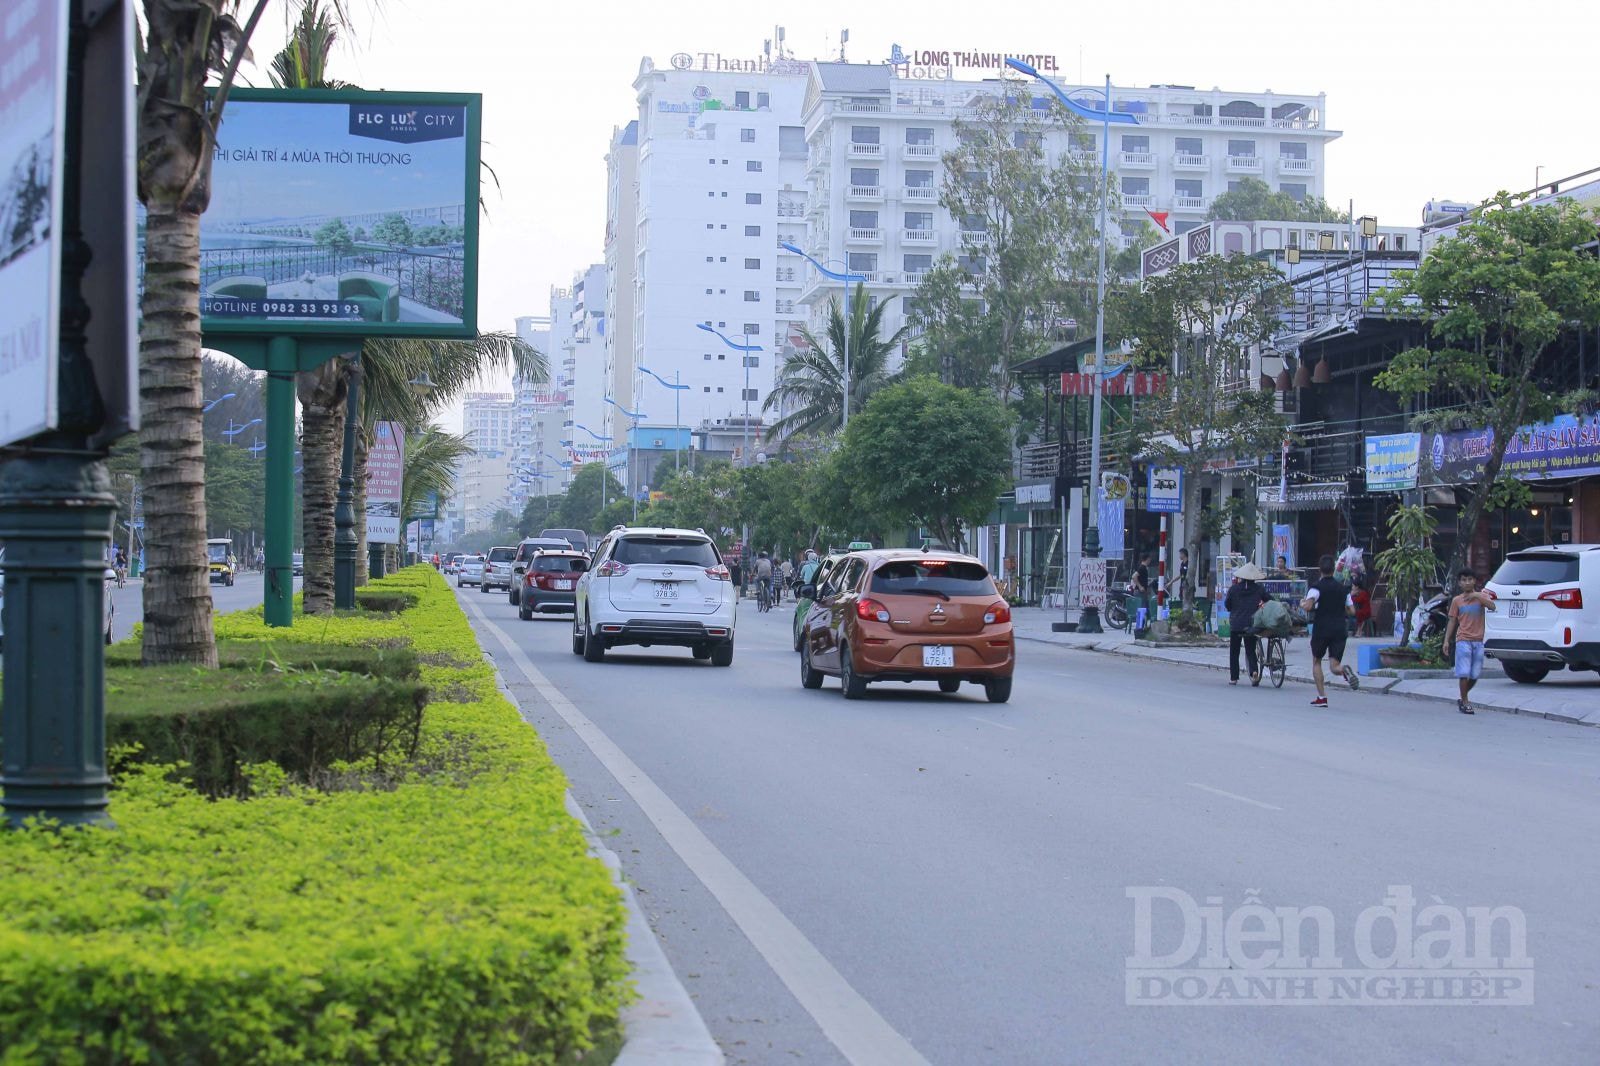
(1431, 616)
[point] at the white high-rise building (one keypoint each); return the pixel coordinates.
(720, 181)
(876, 142)
(622, 246)
(482, 479)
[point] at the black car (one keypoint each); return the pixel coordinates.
(549, 581)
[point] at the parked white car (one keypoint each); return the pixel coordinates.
(1547, 611)
(651, 585)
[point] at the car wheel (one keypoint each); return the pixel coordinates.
(577, 635)
(949, 684)
(799, 640)
(809, 676)
(853, 685)
(593, 650)
(701, 651)
(1525, 675)
(511, 594)
(525, 611)
(722, 654)
(459, 583)
(998, 689)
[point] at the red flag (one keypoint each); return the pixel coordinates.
(1160, 218)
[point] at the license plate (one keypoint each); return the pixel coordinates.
(1518, 609)
(563, 585)
(938, 655)
(666, 590)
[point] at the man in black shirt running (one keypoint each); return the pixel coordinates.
(1329, 603)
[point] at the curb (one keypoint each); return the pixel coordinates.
(1369, 683)
(662, 1024)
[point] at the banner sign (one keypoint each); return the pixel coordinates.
(1392, 461)
(1124, 384)
(1164, 493)
(1160, 258)
(33, 42)
(386, 466)
(343, 212)
(1113, 520)
(1091, 582)
(1039, 494)
(1283, 544)
(1317, 496)
(1566, 447)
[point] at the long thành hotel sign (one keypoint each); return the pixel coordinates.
(1141, 384)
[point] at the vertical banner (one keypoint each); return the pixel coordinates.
(1283, 544)
(385, 476)
(33, 44)
(1114, 492)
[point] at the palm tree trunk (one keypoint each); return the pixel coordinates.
(359, 469)
(322, 395)
(172, 464)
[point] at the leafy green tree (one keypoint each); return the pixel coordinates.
(1030, 227)
(392, 229)
(1199, 323)
(541, 512)
(775, 499)
(302, 63)
(581, 507)
(810, 386)
(235, 489)
(1497, 295)
(1252, 200)
(930, 454)
(1409, 563)
(335, 236)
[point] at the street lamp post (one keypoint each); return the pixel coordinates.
(633, 443)
(1089, 616)
(233, 431)
(746, 349)
(846, 277)
(207, 408)
(677, 388)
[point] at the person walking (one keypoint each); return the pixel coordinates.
(1463, 636)
(1329, 603)
(1243, 601)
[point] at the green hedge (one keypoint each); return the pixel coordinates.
(389, 600)
(397, 660)
(455, 917)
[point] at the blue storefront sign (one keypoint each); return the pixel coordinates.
(1164, 493)
(1392, 461)
(1569, 446)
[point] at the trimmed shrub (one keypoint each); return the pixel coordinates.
(398, 661)
(454, 918)
(384, 600)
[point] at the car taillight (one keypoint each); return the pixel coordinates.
(1567, 599)
(871, 610)
(611, 568)
(718, 573)
(1490, 594)
(999, 611)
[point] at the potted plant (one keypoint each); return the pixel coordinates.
(1407, 566)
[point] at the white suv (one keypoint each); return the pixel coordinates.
(1547, 611)
(497, 569)
(650, 585)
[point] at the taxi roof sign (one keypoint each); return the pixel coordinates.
(860, 545)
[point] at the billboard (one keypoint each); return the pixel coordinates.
(33, 40)
(1392, 461)
(1569, 446)
(386, 464)
(343, 212)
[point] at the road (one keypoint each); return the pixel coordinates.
(926, 878)
(129, 602)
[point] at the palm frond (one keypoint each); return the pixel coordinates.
(431, 459)
(811, 382)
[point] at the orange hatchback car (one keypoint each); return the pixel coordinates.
(908, 615)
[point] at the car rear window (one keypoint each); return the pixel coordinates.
(557, 564)
(949, 576)
(665, 551)
(575, 537)
(501, 555)
(1549, 568)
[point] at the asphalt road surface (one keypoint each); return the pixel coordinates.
(926, 878)
(129, 601)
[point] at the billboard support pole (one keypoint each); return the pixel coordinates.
(278, 589)
(346, 545)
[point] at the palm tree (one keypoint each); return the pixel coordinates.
(811, 381)
(431, 459)
(185, 43)
(303, 61)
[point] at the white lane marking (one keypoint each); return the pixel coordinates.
(1233, 796)
(853, 1025)
(997, 725)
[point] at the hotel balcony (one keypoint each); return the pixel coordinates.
(1138, 160)
(864, 192)
(862, 235)
(1288, 165)
(1189, 203)
(1138, 199)
(864, 151)
(860, 107)
(917, 152)
(920, 192)
(1191, 162)
(913, 277)
(918, 236)
(1244, 164)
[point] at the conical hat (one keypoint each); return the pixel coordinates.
(1249, 572)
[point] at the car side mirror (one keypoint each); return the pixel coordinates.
(808, 591)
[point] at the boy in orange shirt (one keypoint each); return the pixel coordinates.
(1465, 634)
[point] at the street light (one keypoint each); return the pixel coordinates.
(233, 430)
(207, 408)
(677, 411)
(847, 277)
(633, 442)
(592, 433)
(744, 453)
(257, 448)
(1089, 617)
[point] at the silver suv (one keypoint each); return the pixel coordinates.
(653, 585)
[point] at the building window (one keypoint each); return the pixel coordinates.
(752, 165)
(710, 225)
(752, 296)
(710, 259)
(751, 394)
(863, 135)
(1082, 142)
(741, 100)
(723, 259)
(708, 292)
(1132, 142)
(919, 134)
(720, 356)
(1292, 150)
(1136, 186)
(724, 195)
(747, 136)
(1190, 187)
(752, 198)
(863, 220)
(763, 101)
(1183, 227)
(1242, 148)
(752, 264)
(919, 220)
(708, 357)
(1190, 146)
(752, 329)
(752, 231)
(705, 388)
(1296, 189)
(918, 264)
(1023, 139)
(866, 177)
(1233, 186)
(711, 193)
(719, 388)
(919, 179)
(711, 162)
(752, 360)
(865, 262)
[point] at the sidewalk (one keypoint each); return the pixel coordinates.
(1562, 697)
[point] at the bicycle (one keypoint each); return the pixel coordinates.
(1274, 659)
(763, 594)
(122, 576)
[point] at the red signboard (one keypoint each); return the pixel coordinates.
(1144, 384)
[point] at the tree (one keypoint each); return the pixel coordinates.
(303, 60)
(1497, 295)
(810, 386)
(335, 237)
(1030, 232)
(540, 512)
(929, 454)
(236, 489)
(1409, 563)
(1252, 200)
(392, 229)
(1199, 323)
(581, 507)
(431, 458)
(185, 44)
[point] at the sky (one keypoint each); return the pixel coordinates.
(1435, 101)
